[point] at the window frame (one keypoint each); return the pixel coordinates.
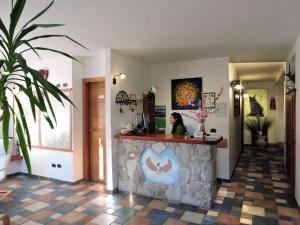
(38, 120)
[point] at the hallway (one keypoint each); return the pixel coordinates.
(257, 194)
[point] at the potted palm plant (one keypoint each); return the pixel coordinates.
(15, 72)
(259, 127)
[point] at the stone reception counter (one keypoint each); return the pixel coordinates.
(168, 167)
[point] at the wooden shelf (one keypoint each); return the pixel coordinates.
(16, 157)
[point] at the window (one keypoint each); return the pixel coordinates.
(42, 136)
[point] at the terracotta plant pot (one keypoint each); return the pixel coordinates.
(261, 141)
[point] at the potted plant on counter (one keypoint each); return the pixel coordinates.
(259, 127)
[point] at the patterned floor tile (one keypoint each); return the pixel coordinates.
(71, 217)
(258, 193)
(228, 219)
(157, 204)
(40, 215)
(43, 191)
(55, 216)
(36, 206)
(137, 220)
(169, 209)
(104, 219)
(31, 223)
(266, 197)
(192, 217)
(293, 213)
(171, 221)
(125, 212)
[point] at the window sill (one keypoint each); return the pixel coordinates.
(52, 149)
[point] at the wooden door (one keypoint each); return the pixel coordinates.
(96, 129)
(290, 138)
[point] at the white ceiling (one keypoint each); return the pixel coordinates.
(173, 30)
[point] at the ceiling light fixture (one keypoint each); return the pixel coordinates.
(121, 75)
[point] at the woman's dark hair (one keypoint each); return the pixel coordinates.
(178, 121)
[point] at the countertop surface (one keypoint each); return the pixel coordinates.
(169, 138)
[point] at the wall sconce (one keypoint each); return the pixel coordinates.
(236, 85)
(121, 75)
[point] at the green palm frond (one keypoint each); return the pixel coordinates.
(14, 70)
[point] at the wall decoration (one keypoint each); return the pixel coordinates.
(159, 167)
(259, 101)
(186, 93)
(236, 102)
(122, 98)
(290, 78)
(255, 108)
(256, 103)
(272, 103)
(221, 109)
(209, 100)
(200, 115)
(132, 98)
(160, 118)
(44, 73)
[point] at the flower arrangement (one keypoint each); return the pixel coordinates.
(200, 115)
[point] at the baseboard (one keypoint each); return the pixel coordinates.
(115, 190)
(221, 181)
(44, 178)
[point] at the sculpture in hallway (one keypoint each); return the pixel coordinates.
(255, 108)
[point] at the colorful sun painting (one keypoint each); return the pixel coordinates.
(186, 93)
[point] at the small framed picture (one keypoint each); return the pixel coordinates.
(209, 100)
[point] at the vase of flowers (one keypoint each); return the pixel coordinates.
(201, 126)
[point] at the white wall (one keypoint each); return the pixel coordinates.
(77, 125)
(140, 76)
(60, 71)
(89, 66)
(296, 53)
(137, 81)
(234, 125)
(276, 131)
(214, 73)
(63, 70)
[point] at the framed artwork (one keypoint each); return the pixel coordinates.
(256, 103)
(186, 93)
(209, 100)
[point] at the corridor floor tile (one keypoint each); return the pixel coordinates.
(265, 193)
(257, 194)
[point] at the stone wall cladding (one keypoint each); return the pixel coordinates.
(196, 184)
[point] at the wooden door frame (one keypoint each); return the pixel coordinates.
(85, 113)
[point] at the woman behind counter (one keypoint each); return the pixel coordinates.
(178, 127)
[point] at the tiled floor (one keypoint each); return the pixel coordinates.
(35, 202)
(257, 194)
